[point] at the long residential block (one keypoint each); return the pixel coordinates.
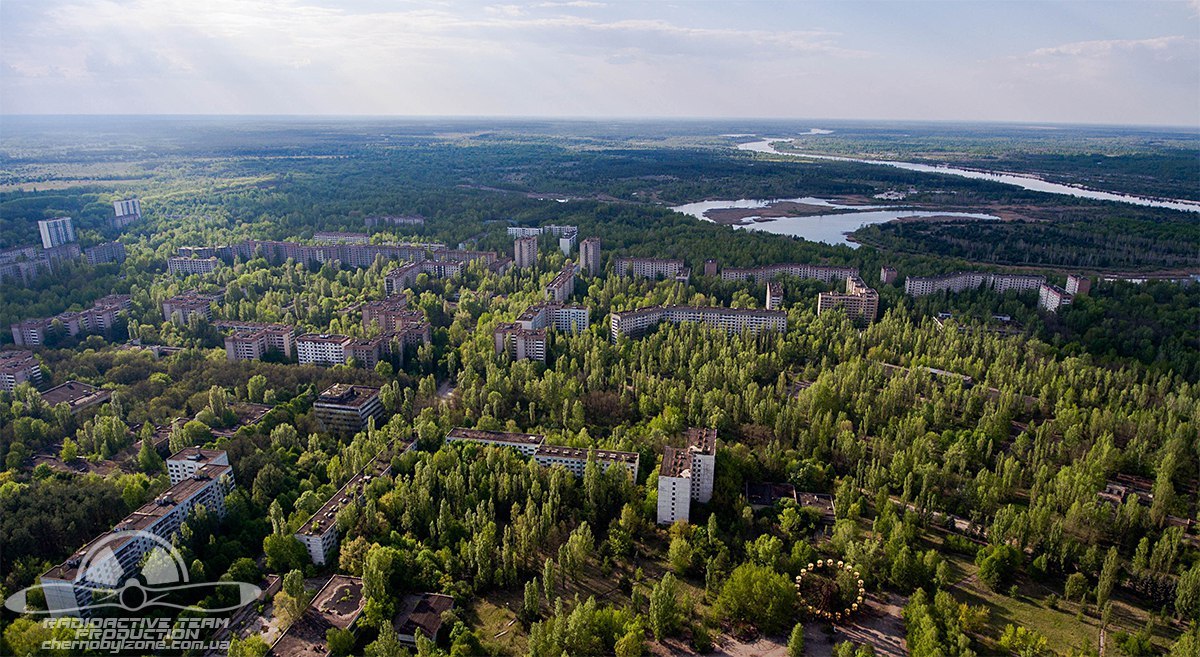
(573, 459)
(635, 323)
(917, 286)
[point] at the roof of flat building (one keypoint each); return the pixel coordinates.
(422, 612)
(331, 338)
(341, 394)
(701, 440)
(76, 395)
(198, 454)
(462, 433)
(768, 493)
(337, 605)
(562, 451)
(676, 462)
(326, 517)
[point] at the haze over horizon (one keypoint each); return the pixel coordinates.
(1119, 63)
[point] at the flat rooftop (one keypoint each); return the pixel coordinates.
(198, 454)
(581, 454)
(326, 516)
(341, 394)
(461, 433)
(422, 612)
(768, 493)
(675, 462)
(330, 338)
(703, 441)
(76, 395)
(337, 605)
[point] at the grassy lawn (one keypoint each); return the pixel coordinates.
(493, 617)
(1063, 627)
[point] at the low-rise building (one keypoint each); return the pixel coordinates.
(961, 281)
(347, 409)
(711, 267)
(17, 367)
(421, 613)
(858, 302)
(77, 396)
(635, 323)
(652, 268)
(115, 556)
(337, 606)
(106, 252)
(563, 286)
(796, 269)
(186, 266)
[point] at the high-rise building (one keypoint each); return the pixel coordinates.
(859, 301)
(1053, 297)
(520, 343)
(525, 252)
(774, 296)
(127, 212)
(887, 275)
(563, 286)
(589, 256)
(56, 232)
(1078, 284)
(686, 475)
(346, 409)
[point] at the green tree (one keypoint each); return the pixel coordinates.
(70, 451)
(340, 642)
(757, 595)
(665, 614)
(795, 644)
(252, 646)
(1187, 595)
(1024, 642)
(1108, 576)
(998, 565)
(1076, 587)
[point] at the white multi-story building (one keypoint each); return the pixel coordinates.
(69, 586)
(774, 296)
(181, 308)
(520, 343)
(525, 252)
(733, 320)
(185, 463)
(126, 212)
(179, 265)
(563, 286)
(799, 270)
(339, 237)
(322, 349)
(1078, 284)
(858, 301)
(56, 232)
(687, 475)
(589, 256)
(572, 458)
(960, 281)
(17, 367)
(1053, 297)
(517, 232)
(558, 316)
(888, 275)
(652, 268)
(101, 317)
(253, 340)
(319, 533)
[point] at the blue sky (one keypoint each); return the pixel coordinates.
(1131, 62)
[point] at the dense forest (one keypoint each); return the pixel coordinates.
(970, 469)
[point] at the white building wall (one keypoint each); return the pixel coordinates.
(674, 499)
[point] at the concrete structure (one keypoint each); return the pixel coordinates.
(77, 396)
(347, 409)
(181, 308)
(589, 256)
(185, 463)
(402, 277)
(398, 220)
(563, 286)
(520, 343)
(126, 212)
(960, 281)
(339, 237)
(858, 302)
(574, 459)
(525, 252)
(558, 316)
(421, 613)
(1053, 297)
(774, 299)
(100, 318)
(635, 323)
(186, 266)
(17, 367)
(253, 340)
(517, 232)
(1078, 284)
(888, 275)
(349, 255)
(56, 232)
(337, 606)
(799, 270)
(322, 349)
(72, 583)
(319, 533)
(652, 268)
(686, 475)
(107, 252)
(23, 264)
(711, 268)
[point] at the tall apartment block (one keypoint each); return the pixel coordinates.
(526, 338)
(888, 275)
(799, 270)
(107, 252)
(1078, 284)
(185, 266)
(589, 256)
(961, 281)
(774, 296)
(101, 317)
(126, 212)
(70, 585)
(17, 367)
(525, 252)
(563, 286)
(686, 475)
(520, 343)
(652, 268)
(181, 308)
(253, 340)
(1053, 297)
(574, 459)
(859, 301)
(347, 409)
(339, 237)
(635, 323)
(711, 268)
(56, 232)
(319, 533)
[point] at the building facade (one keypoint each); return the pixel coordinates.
(107, 252)
(888, 275)
(573, 459)
(589, 256)
(347, 409)
(186, 266)
(1053, 297)
(859, 302)
(520, 343)
(319, 533)
(17, 367)
(798, 270)
(774, 299)
(635, 323)
(961, 281)
(126, 212)
(652, 268)
(56, 232)
(1078, 284)
(183, 307)
(525, 252)
(686, 476)
(563, 286)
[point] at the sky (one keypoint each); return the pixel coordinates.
(1127, 62)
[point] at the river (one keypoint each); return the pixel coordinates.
(1024, 181)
